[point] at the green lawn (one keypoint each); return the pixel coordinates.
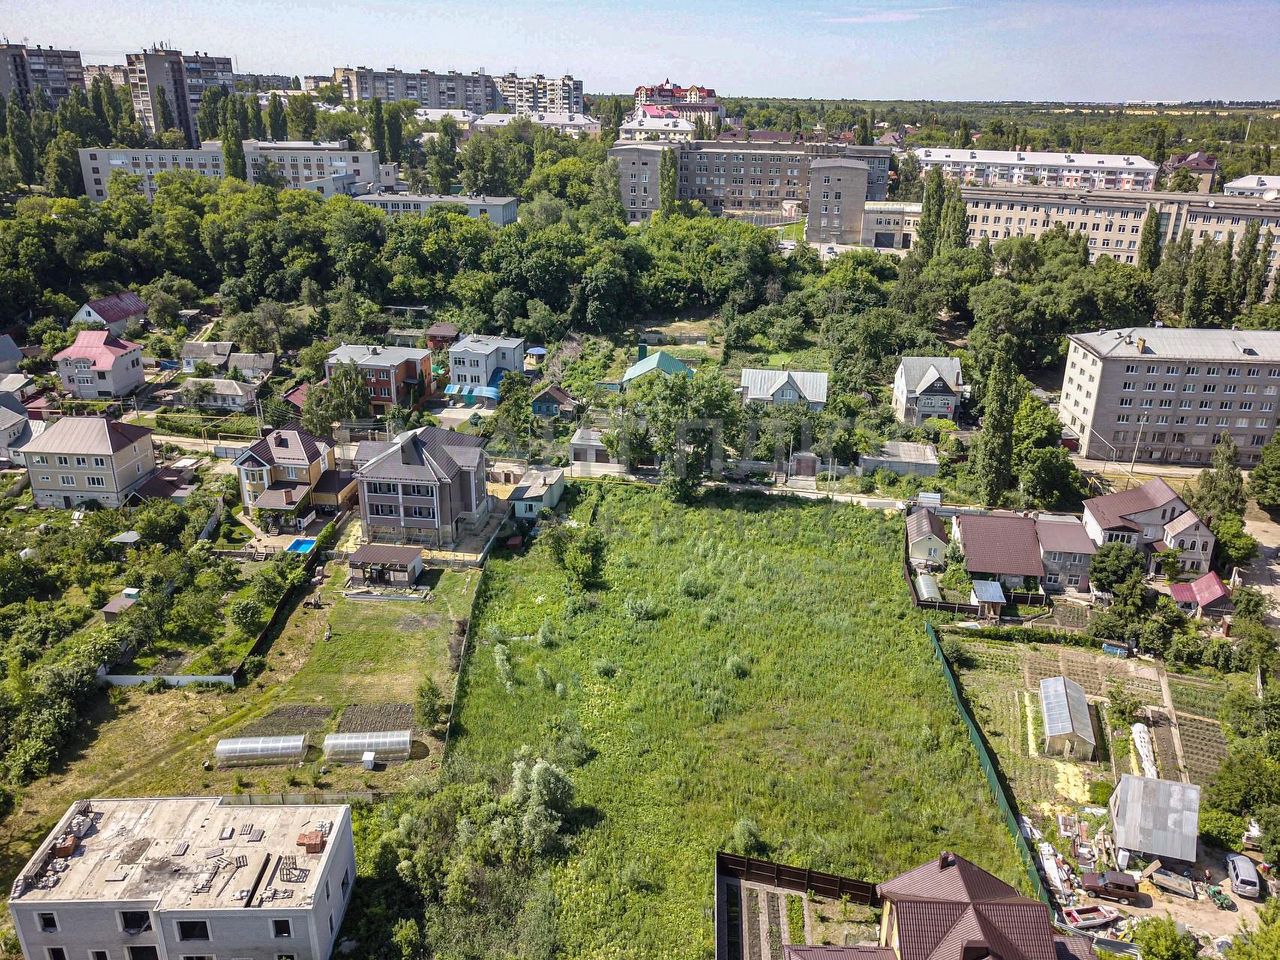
(793, 231)
(785, 679)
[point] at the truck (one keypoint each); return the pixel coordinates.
(1112, 885)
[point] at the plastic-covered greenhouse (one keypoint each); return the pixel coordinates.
(250, 751)
(384, 745)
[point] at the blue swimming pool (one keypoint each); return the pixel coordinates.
(301, 545)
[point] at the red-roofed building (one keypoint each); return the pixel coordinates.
(1202, 166)
(99, 365)
(114, 313)
(688, 103)
(1151, 518)
(298, 395)
(1000, 546)
(1205, 597)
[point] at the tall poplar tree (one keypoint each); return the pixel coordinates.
(277, 122)
(22, 148)
(377, 128)
(1149, 242)
(927, 232)
(668, 181)
(995, 443)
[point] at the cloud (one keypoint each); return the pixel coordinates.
(887, 16)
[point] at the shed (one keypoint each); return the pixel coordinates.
(1156, 818)
(1068, 727)
(384, 563)
(988, 597)
(901, 457)
(1207, 596)
(927, 538)
(116, 606)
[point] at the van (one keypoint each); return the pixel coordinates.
(1244, 877)
(1112, 885)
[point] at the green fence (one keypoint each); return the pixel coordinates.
(989, 767)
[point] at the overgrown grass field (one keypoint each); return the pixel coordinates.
(750, 659)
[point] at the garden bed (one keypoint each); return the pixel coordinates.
(376, 717)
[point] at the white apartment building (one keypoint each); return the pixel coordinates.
(644, 126)
(1097, 171)
(1254, 185)
(500, 210)
(477, 364)
(187, 878)
(567, 122)
(476, 92)
(1168, 395)
(82, 459)
(328, 167)
(539, 94)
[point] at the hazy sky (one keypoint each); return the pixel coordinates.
(881, 49)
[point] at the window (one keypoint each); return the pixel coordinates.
(57, 953)
(135, 921)
(281, 928)
(98, 955)
(346, 882)
(48, 922)
(193, 930)
(1073, 580)
(96, 481)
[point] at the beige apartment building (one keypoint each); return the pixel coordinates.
(1097, 171)
(1168, 395)
(184, 78)
(81, 459)
(837, 200)
(539, 94)
(476, 91)
(24, 70)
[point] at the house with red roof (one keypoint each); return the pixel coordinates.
(114, 313)
(99, 366)
(1153, 519)
(1000, 546)
(1207, 597)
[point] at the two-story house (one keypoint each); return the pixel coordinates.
(425, 487)
(394, 376)
(99, 365)
(1151, 518)
(289, 475)
(114, 313)
(16, 429)
(784, 387)
(1067, 552)
(477, 365)
(88, 459)
(1000, 546)
(925, 387)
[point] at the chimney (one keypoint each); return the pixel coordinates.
(288, 496)
(642, 350)
(1142, 344)
(946, 859)
(279, 440)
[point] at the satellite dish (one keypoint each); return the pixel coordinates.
(1271, 194)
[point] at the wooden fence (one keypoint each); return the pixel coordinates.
(800, 879)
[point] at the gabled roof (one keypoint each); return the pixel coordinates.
(1159, 817)
(922, 523)
(100, 346)
(9, 351)
(1113, 510)
(1206, 590)
(920, 372)
(535, 484)
(118, 306)
(298, 395)
(555, 393)
(763, 384)
(91, 435)
(1183, 521)
(425, 454)
(1063, 535)
(288, 446)
(207, 350)
(1001, 543)
(661, 361)
(1065, 708)
(251, 361)
(226, 388)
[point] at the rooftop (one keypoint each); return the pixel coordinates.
(661, 361)
(1063, 534)
(1182, 344)
(99, 346)
(1065, 708)
(1000, 543)
(461, 198)
(478, 343)
(920, 372)
(922, 523)
(905, 451)
(181, 853)
(87, 435)
(1159, 817)
(118, 306)
(376, 354)
(288, 446)
(1254, 182)
(1112, 509)
(1036, 158)
(1202, 592)
(763, 384)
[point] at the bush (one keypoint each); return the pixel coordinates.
(1100, 792)
(605, 668)
(641, 609)
(253, 666)
(746, 839)
(1222, 829)
(428, 704)
(694, 585)
(735, 667)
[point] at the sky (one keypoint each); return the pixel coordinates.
(1110, 50)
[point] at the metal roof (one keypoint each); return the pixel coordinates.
(1158, 817)
(988, 591)
(1065, 709)
(1183, 344)
(922, 522)
(1000, 543)
(763, 384)
(87, 435)
(1034, 158)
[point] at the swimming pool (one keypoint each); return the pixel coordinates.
(301, 545)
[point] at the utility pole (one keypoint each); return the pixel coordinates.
(1142, 422)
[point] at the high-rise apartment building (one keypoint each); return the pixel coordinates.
(475, 92)
(539, 94)
(24, 70)
(117, 73)
(1099, 171)
(183, 78)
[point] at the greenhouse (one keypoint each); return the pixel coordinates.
(384, 745)
(251, 751)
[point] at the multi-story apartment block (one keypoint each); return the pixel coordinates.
(85, 459)
(500, 210)
(576, 125)
(427, 486)
(1254, 185)
(185, 877)
(539, 94)
(24, 70)
(1098, 171)
(205, 72)
(184, 78)
(117, 73)
(656, 123)
(477, 365)
(328, 167)
(668, 94)
(476, 92)
(99, 365)
(1168, 395)
(831, 219)
(394, 376)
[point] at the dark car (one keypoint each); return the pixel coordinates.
(1112, 885)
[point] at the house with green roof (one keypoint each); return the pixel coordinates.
(661, 362)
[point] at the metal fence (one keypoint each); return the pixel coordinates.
(800, 879)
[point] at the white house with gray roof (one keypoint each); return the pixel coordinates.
(784, 387)
(478, 363)
(925, 387)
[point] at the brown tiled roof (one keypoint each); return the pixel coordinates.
(287, 446)
(441, 330)
(282, 495)
(428, 453)
(1001, 543)
(1074, 948)
(1064, 534)
(798, 952)
(949, 877)
(922, 522)
(1111, 510)
(385, 555)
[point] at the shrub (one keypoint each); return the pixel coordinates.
(253, 666)
(735, 667)
(746, 838)
(545, 679)
(1100, 792)
(546, 637)
(246, 614)
(694, 585)
(641, 609)
(428, 704)
(502, 663)
(605, 668)
(1222, 829)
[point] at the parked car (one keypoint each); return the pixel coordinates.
(1112, 885)
(1244, 877)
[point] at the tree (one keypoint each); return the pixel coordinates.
(1263, 941)
(1183, 181)
(691, 417)
(1234, 546)
(22, 148)
(1114, 564)
(245, 614)
(668, 183)
(1159, 939)
(62, 176)
(394, 121)
(302, 118)
(1264, 479)
(1149, 242)
(930, 226)
(233, 159)
(992, 463)
(428, 704)
(512, 422)
(377, 128)
(164, 111)
(277, 121)
(953, 231)
(1219, 491)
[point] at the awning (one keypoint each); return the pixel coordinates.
(471, 392)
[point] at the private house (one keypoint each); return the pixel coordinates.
(649, 363)
(925, 387)
(539, 489)
(394, 376)
(1000, 546)
(951, 909)
(289, 475)
(1068, 725)
(99, 366)
(425, 487)
(115, 313)
(296, 397)
(927, 538)
(554, 403)
(901, 457)
(252, 366)
(384, 564)
(1151, 518)
(215, 353)
(1066, 551)
(440, 335)
(1206, 598)
(79, 460)
(10, 355)
(1156, 818)
(17, 385)
(477, 365)
(216, 394)
(16, 430)
(1202, 166)
(784, 387)
(170, 877)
